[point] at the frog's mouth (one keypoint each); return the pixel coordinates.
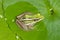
(26, 20)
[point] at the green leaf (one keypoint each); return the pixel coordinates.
(47, 29)
(5, 32)
(17, 9)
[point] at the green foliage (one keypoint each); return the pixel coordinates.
(47, 29)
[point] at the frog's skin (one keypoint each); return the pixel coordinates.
(26, 20)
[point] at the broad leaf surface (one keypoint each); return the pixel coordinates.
(47, 29)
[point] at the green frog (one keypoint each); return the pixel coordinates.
(27, 20)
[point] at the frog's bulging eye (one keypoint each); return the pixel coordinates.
(27, 20)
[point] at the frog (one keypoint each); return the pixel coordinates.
(27, 20)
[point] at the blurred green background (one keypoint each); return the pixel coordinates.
(47, 29)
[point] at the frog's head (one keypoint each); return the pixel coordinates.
(28, 19)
